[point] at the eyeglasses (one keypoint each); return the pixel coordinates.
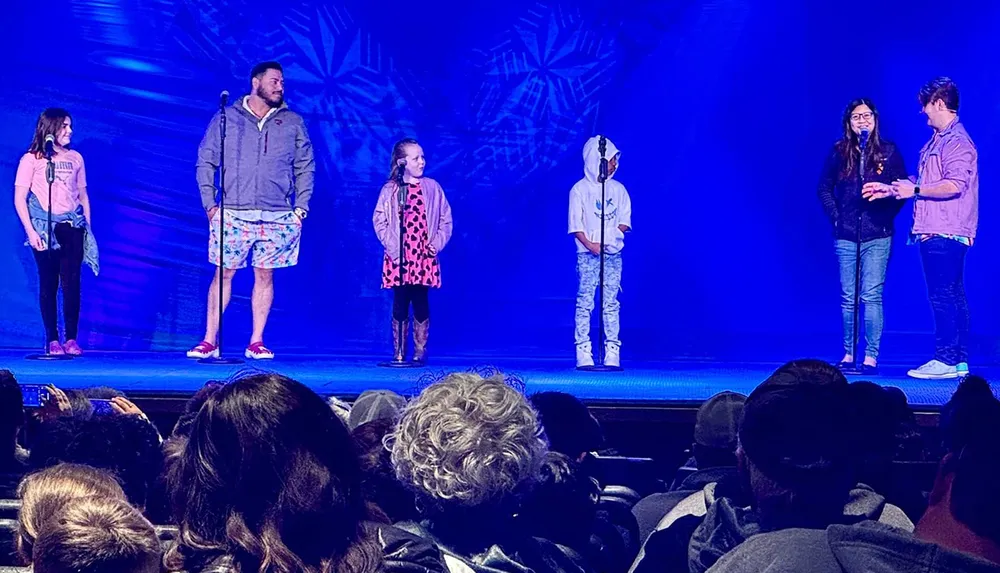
(859, 116)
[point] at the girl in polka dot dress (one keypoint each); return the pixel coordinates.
(428, 226)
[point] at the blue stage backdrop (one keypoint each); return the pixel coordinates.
(723, 110)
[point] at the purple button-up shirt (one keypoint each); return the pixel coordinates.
(949, 155)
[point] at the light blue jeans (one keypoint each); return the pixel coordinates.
(874, 260)
(588, 267)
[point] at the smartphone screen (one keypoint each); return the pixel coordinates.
(34, 395)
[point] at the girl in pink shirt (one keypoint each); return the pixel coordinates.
(71, 242)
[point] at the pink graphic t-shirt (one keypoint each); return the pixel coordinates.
(71, 176)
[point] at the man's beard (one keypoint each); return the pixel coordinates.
(272, 103)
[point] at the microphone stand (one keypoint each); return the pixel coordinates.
(50, 177)
(857, 367)
(400, 361)
(600, 366)
(220, 359)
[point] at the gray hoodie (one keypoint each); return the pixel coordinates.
(725, 525)
(269, 164)
(861, 548)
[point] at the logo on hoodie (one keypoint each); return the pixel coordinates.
(610, 212)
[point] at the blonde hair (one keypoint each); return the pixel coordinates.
(399, 152)
(468, 441)
(43, 493)
(97, 534)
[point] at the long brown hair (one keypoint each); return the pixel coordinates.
(848, 144)
(399, 152)
(49, 123)
(270, 477)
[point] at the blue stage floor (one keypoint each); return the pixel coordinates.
(655, 383)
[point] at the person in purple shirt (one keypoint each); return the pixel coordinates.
(945, 217)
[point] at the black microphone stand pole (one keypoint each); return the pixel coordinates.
(400, 361)
(600, 366)
(857, 367)
(220, 359)
(50, 177)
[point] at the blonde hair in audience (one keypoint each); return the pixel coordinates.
(468, 441)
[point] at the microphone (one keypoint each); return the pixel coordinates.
(602, 147)
(50, 141)
(223, 98)
(863, 140)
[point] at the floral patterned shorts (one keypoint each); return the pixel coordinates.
(271, 245)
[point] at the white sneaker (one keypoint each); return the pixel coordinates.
(935, 370)
(584, 358)
(612, 354)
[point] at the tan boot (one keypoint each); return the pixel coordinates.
(399, 345)
(420, 332)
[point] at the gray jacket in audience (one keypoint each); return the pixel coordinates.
(722, 525)
(859, 548)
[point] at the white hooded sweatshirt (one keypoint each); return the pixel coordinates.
(585, 201)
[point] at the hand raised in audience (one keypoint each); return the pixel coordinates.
(56, 406)
(126, 407)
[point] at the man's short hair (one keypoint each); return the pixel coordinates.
(943, 89)
(97, 534)
(261, 68)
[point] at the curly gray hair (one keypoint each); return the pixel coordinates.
(468, 441)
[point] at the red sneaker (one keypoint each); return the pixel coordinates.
(72, 348)
(204, 349)
(56, 349)
(258, 351)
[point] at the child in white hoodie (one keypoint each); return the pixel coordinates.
(585, 226)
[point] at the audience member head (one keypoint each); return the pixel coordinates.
(270, 476)
(796, 446)
(193, 406)
(11, 416)
(374, 405)
(963, 506)
(97, 534)
(126, 446)
(568, 425)
(80, 404)
(43, 493)
(469, 447)
(102, 393)
(716, 430)
(563, 506)
(379, 482)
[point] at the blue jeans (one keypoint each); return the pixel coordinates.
(944, 269)
(874, 260)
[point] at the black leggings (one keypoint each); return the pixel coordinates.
(402, 296)
(57, 266)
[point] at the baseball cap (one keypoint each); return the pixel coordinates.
(376, 405)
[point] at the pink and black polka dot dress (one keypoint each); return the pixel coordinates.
(421, 268)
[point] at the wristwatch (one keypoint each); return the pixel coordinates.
(916, 190)
(300, 213)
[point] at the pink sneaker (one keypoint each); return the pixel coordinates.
(72, 348)
(56, 349)
(204, 349)
(258, 351)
